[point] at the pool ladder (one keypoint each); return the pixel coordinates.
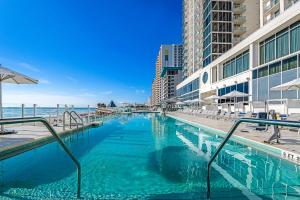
(295, 124)
(72, 116)
(56, 137)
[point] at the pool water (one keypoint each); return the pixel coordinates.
(146, 156)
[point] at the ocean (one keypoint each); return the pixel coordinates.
(13, 112)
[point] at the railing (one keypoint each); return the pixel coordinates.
(231, 131)
(71, 117)
(80, 118)
(54, 134)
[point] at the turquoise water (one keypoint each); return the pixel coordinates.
(146, 156)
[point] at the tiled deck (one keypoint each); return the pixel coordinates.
(289, 141)
(25, 133)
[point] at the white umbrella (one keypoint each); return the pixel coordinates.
(292, 85)
(235, 94)
(10, 76)
(180, 103)
(187, 101)
(196, 101)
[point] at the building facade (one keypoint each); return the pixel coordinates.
(266, 58)
(192, 36)
(212, 27)
(156, 84)
(168, 73)
(272, 8)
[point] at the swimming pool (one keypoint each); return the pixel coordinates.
(146, 156)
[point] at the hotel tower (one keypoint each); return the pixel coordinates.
(167, 74)
(247, 45)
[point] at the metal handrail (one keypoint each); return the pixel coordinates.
(80, 118)
(55, 135)
(71, 117)
(234, 127)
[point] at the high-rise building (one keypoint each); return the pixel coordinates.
(266, 58)
(212, 27)
(168, 73)
(192, 36)
(272, 8)
(226, 23)
(156, 84)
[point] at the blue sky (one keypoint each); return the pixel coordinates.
(84, 52)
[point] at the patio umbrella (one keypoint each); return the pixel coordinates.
(196, 101)
(10, 76)
(188, 101)
(235, 94)
(292, 85)
(180, 103)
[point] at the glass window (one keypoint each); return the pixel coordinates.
(289, 63)
(270, 51)
(254, 74)
(207, 51)
(263, 72)
(227, 90)
(223, 91)
(275, 68)
(233, 87)
(233, 68)
(282, 45)
(239, 65)
(240, 87)
(246, 62)
(295, 39)
(246, 87)
(262, 54)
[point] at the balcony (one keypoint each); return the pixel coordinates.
(273, 6)
(290, 3)
(239, 31)
(238, 1)
(239, 19)
(239, 9)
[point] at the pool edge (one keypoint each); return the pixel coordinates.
(283, 154)
(11, 151)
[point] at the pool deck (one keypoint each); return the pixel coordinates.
(28, 136)
(289, 147)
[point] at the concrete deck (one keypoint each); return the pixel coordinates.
(28, 136)
(289, 141)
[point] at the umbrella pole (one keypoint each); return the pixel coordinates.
(1, 108)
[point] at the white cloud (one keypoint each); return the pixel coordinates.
(29, 67)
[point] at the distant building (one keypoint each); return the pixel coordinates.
(168, 73)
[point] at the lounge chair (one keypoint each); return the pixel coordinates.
(221, 115)
(294, 117)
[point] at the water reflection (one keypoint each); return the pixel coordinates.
(251, 171)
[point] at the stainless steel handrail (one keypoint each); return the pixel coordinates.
(55, 135)
(80, 118)
(231, 131)
(71, 117)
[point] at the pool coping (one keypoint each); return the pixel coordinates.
(281, 153)
(10, 151)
